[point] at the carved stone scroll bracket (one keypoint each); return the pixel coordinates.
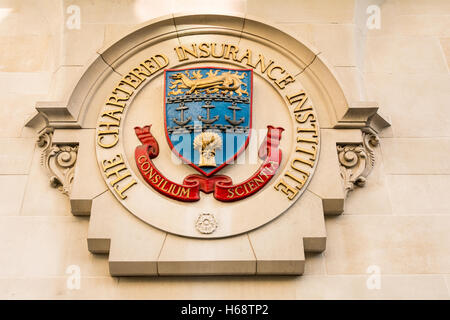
(58, 160)
(357, 160)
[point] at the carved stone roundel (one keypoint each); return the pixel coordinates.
(210, 122)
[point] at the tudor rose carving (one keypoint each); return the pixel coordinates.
(206, 223)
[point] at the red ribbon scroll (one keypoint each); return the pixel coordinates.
(221, 185)
(271, 154)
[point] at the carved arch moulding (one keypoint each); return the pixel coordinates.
(265, 111)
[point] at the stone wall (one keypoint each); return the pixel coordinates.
(397, 224)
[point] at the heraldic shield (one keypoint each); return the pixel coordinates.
(208, 115)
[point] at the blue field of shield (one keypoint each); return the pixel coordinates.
(206, 100)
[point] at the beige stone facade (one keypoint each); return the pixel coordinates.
(392, 239)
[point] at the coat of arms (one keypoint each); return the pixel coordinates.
(208, 117)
